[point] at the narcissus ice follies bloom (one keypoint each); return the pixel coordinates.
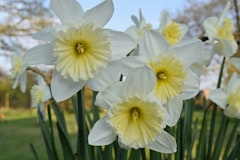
(220, 32)
(39, 93)
(139, 28)
(228, 97)
(172, 31)
(134, 115)
(18, 71)
(171, 65)
(80, 48)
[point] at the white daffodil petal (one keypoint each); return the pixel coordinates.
(219, 97)
(109, 96)
(68, 11)
(152, 44)
(142, 76)
(41, 54)
(121, 44)
(227, 7)
(232, 112)
(183, 29)
(47, 34)
(191, 85)
(236, 62)
(100, 14)
(106, 76)
(224, 47)
(164, 20)
(135, 20)
(63, 89)
(101, 134)
(164, 143)
(174, 109)
(23, 81)
(132, 31)
(188, 51)
(15, 83)
(131, 62)
(234, 83)
(210, 27)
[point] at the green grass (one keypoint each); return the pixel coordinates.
(20, 128)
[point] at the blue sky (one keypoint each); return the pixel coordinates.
(123, 10)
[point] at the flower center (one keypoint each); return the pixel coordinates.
(136, 121)
(172, 33)
(161, 75)
(170, 75)
(135, 113)
(81, 51)
(225, 31)
(80, 48)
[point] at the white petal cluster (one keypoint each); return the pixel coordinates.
(228, 97)
(134, 115)
(18, 71)
(79, 48)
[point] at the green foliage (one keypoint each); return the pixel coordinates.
(14, 97)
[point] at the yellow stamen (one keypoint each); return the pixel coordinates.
(80, 48)
(161, 75)
(135, 113)
(170, 75)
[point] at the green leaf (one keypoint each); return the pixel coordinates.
(66, 147)
(108, 152)
(220, 138)
(135, 154)
(34, 151)
(47, 139)
(236, 150)
(155, 155)
(231, 138)
(201, 147)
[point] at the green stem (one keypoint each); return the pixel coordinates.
(213, 118)
(220, 137)
(81, 146)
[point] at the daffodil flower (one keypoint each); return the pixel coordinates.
(79, 48)
(18, 71)
(134, 115)
(137, 30)
(40, 93)
(220, 33)
(228, 97)
(171, 65)
(172, 31)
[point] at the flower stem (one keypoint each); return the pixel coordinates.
(81, 145)
(214, 112)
